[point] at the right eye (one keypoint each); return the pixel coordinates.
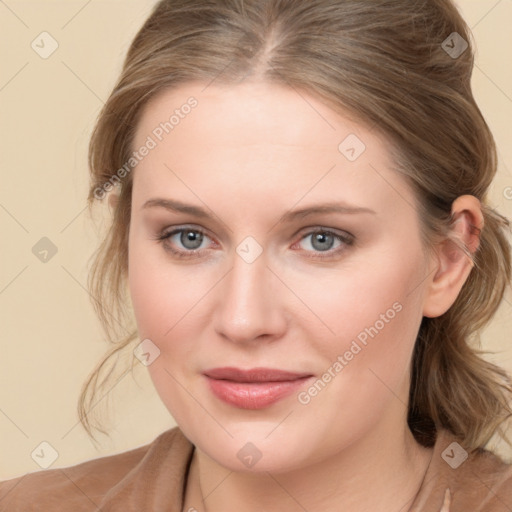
(183, 242)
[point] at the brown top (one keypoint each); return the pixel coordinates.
(152, 478)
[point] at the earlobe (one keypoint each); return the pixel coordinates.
(452, 264)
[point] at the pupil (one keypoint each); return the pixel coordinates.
(322, 241)
(191, 239)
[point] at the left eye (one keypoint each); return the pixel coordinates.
(321, 241)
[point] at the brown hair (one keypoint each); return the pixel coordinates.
(385, 63)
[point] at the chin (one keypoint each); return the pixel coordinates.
(252, 450)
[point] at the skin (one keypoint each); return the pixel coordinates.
(249, 153)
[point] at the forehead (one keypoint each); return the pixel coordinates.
(261, 138)
(246, 114)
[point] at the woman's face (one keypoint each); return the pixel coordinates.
(299, 251)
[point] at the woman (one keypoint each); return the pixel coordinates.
(299, 194)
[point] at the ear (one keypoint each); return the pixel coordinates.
(451, 265)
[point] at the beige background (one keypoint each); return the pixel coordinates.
(50, 336)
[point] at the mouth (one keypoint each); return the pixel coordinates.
(254, 388)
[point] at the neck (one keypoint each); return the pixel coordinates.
(382, 471)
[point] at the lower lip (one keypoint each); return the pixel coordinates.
(255, 395)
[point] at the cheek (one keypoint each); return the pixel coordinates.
(369, 315)
(169, 307)
(160, 299)
(161, 294)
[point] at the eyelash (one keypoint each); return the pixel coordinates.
(347, 240)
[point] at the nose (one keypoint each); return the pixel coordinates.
(249, 303)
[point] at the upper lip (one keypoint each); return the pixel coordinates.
(254, 374)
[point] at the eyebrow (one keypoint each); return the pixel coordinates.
(333, 207)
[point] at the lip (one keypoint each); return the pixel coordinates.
(254, 388)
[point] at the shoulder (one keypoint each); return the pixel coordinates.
(479, 480)
(84, 486)
(486, 479)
